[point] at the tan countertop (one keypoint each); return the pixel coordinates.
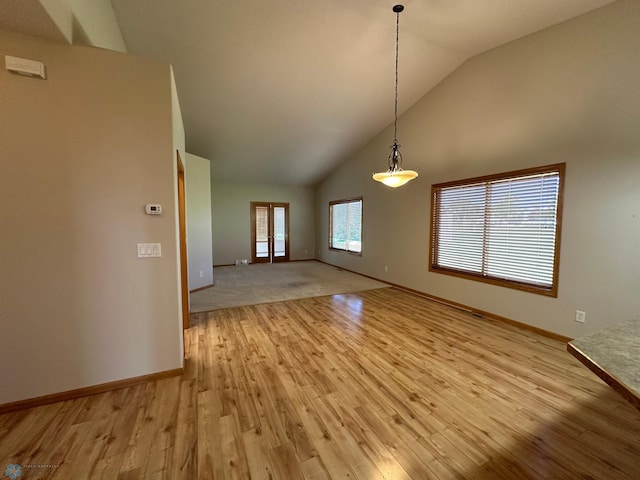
(614, 355)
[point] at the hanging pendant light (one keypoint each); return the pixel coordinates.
(395, 176)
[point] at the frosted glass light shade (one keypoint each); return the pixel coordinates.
(395, 178)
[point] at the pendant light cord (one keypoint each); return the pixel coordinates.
(395, 176)
(395, 121)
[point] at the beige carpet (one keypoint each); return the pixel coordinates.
(264, 283)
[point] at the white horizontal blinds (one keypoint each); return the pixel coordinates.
(460, 237)
(346, 225)
(502, 228)
(521, 229)
(262, 231)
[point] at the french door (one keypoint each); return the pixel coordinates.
(269, 232)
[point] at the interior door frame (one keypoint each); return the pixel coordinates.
(270, 258)
(182, 222)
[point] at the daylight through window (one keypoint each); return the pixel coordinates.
(345, 225)
(503, 229)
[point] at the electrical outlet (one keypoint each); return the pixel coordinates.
(201, 273)
(580, 316)
(386, 268)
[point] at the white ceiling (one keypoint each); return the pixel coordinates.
(283, 91)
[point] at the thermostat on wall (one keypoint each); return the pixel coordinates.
(153, 209)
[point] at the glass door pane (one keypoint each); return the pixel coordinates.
(269, 232)
(279, 232)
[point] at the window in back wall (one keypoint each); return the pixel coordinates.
(345, 225)
(502, 229)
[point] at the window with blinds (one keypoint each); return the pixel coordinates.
(345, 225)
(502, 229)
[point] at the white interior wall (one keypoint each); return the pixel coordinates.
(83, 22)
(98, 23)
(199, 240)
(178, 154)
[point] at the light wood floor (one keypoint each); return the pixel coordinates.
(371, 385)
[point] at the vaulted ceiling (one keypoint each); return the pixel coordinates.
(282, 91)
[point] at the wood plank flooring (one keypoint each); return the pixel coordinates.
(372, 385)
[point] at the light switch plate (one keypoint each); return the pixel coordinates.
(148, 250)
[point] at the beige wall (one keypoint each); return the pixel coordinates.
(567, 94)
(230, 204)
(198, 192)
(82, 153)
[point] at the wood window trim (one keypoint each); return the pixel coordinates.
(551, 291)
(343, 201)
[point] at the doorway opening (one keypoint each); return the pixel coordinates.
(269, 232)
